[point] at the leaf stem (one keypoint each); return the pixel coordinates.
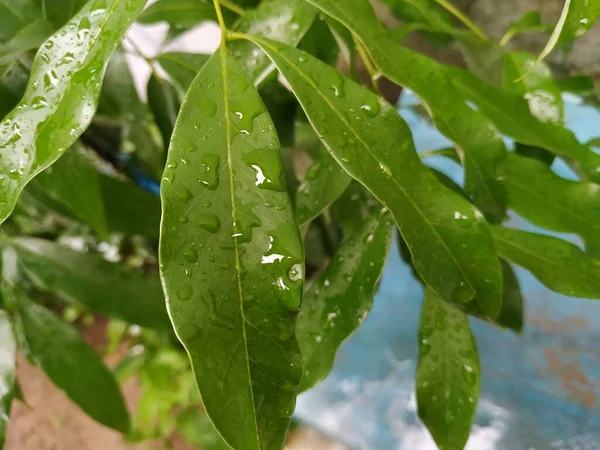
(232, 7)
(464, 19)
(224, 31)
(373, 73)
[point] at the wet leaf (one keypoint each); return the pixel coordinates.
(511, 114)
(60, 98)
(339, 301)
(90, 280)
(74, 183)
(8, 350)
(472, 132)
(448, 373)
(73, 366)
(324, 183)
(162, 98)
(182, 67)
(283, 20)
(448, 238)
(559, 265)
(552, 202)
(231, 257)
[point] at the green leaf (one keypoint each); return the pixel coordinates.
(577, 84)
(29, 38)
(324, 183)
(60, 98)
(552, 202)
(576, 19)
(448, 373)
(73, 182)
(181, 14)
(353, 208)
(16, 15)
(339, 301)
(129, 209)
(231, 257)
(90, 280)
(8, 362)
(182, 67)
(473, 133)
(283, 20)
(484, 58)
(559, 265)
(536, 84)
(195, 427)
(530, 22)
(511, 114)
(448, 238)
(73, 366)
(12, 86)
(282, 108)
(60, 11)
(162, 98)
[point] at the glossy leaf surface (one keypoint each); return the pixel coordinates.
(60, 98)
(511, 114)
(560, 265)
(8, 361)
(323, 184)
(448, 373)
(182, 67)
(73, 366)
(473, 133)
(552, 202)
(88, 279)
(283, 20)
(448, 238)
(339, 301)
(74, 183)
(231, 257)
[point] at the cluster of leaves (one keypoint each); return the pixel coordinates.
(274, 168)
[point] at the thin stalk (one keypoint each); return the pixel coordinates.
(464, 19)
(373, 73)
(232, 7)
(224, 32)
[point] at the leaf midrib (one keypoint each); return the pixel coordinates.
(364, 144)
(224, 74)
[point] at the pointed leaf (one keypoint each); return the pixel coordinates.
(448, 373)
(182, 67)
(339, 301)
(324, 183)
(552, 202)
(231, 257)
(448, 238)
(511, 114)
(162, 98)
(90, 280)
(283, 20)
(8, 350)
(472, 132)
(60, 98)
(560, 265)
(73, 182)
(73, 366)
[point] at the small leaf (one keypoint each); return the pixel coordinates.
(283, 20)
(552, 202)
(324, 183)
(88, 279)
(448, 373)
(231, 257)
(372, 143)
(511, 114)
(577, 84)
(560, 265)
(60, 98)
(8, 350)
(73, 182)
(339, 301)
(530, 22)
(472, 132)
(129, 209)
(182, 67)
(162, 98)
(73, 366)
